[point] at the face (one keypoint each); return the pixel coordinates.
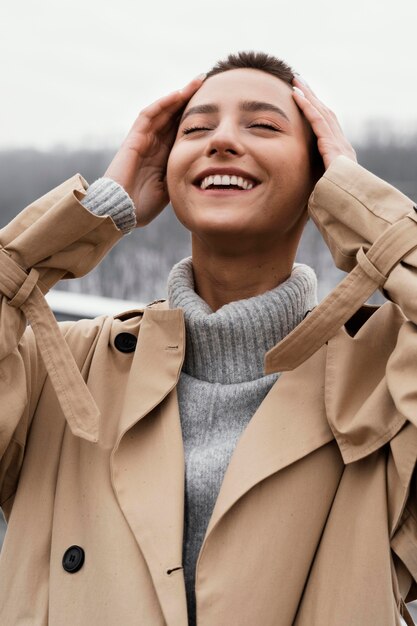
(240, 164)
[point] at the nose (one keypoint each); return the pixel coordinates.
(224, 141)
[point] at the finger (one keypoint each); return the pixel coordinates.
(302, 83)
(193, 86)
(304, 86)
(171, 103)
(330, 143)
(327, 113)
(318, 122)
(165, 111)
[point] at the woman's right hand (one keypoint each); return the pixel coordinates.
(140, 164)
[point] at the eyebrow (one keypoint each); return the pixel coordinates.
(250, 106)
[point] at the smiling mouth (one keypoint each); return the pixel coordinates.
(225, 182)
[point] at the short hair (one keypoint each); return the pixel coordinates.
(278, 68)
(256, 61)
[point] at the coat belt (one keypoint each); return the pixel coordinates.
(22, 290)
(370, 273)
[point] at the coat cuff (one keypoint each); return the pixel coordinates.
(352, 207)
(106, 197)
(58, 236)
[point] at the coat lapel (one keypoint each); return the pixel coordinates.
(148, 459)
(156, 363)
(289, 424)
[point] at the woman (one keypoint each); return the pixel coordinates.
(186, 475)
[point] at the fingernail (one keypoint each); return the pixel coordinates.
(201, 76)
(300, 93)
(301, 80)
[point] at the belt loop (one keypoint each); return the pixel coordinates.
(369, 268)
(25, 289)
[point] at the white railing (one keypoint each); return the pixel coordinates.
(77, 305)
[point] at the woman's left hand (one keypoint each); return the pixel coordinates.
(331, 141)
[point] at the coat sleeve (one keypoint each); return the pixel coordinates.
(356, 212)
(53, 238)
(352, 208)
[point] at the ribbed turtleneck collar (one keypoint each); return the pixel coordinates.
(228, 346)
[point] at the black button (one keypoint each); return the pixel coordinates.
(73, 559)
(125, 342)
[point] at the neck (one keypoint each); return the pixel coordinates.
(228, 345)
(221, 278)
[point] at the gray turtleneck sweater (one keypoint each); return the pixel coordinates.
(222, 382)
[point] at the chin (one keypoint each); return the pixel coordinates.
(217, 220)
(229, 238)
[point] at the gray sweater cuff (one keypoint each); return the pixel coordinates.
(106, 197)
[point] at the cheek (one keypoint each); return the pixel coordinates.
(171, 163)
(176, 165)
(176, 170)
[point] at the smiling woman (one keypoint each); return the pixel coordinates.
(240, 232)
(237, 453)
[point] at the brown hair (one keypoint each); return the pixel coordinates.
(278, 68)
(256, 61)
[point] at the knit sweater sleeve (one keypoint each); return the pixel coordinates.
(106, 197)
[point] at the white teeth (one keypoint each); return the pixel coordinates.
(206, 182)
(225, 180)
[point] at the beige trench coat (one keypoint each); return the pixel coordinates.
(316, 519)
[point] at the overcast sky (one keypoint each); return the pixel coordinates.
(77, 72)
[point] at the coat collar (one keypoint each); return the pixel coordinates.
(147, 463)
(156, 363)
(148, 459)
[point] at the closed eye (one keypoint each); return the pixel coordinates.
(268, 126)
(193, 129)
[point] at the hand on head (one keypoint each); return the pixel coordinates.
(331, 141)
(140, 163)
(139, 166)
